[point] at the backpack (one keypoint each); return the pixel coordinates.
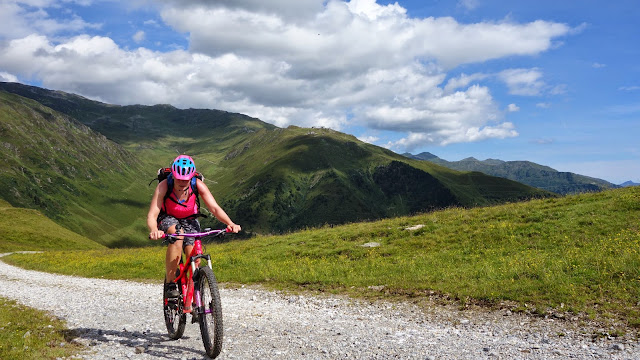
(165, 173)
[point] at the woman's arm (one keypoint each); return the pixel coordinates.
(154, 210)
(215, 209)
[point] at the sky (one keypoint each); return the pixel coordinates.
(552, 82)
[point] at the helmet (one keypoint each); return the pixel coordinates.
(183, 168)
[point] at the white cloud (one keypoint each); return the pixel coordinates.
(513, 108)
(598, 65)
(525, 82)
(384, 34)
(471, 134)
(6, 77)
(629, 88)
(558, 89)
(463, 81)
(468, 4)
(138, 36)
(304, 62)
(20, 18)
(543, 105)
(368, 139)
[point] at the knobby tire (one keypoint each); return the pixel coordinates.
(210, 315)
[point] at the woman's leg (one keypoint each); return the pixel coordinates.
(174, 253)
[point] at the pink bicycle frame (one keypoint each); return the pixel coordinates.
(185, 279)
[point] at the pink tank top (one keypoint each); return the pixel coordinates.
(181, 210)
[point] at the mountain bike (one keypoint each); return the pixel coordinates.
(199, 296)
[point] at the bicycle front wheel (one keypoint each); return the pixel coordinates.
(210, 313)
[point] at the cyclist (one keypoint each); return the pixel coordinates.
(178, 212)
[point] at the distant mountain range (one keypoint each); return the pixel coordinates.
(629, 183)
(87, 165)
(526, 172)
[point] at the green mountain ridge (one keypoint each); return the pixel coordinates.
(267, 178)
(526, 172)
(75, 176)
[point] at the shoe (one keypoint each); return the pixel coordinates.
(171, 291)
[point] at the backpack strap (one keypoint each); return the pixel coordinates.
(194, 188)
(169, 187)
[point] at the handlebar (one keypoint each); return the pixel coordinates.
(197, 235)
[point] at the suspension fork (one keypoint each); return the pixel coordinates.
(196, 279)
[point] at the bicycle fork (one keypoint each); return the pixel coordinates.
(200, 309)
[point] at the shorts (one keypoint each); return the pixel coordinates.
(188, 226)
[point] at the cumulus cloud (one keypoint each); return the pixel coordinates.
(308, 62)
(462, 81)
(6, 77)
(368, 139)
(526, 82)
(513, 108)
(24, 17)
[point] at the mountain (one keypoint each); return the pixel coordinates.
(268, 179)
(72, 174)
(526, 172)
(629, 183)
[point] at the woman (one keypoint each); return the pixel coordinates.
(177, 213)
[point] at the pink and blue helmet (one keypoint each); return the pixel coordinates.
(183, 168)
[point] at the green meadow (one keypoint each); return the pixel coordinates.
(577, 255)
(27, 333)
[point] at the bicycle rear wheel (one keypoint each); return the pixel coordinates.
(174, 318)
(210, 313)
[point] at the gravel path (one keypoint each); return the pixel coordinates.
(121, 319)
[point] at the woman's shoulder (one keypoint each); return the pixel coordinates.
(201, 185)
(163, 186)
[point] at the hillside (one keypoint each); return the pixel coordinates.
(267, 178)
(28, 229)
(294, 178)
(526, 172)
(73, 175)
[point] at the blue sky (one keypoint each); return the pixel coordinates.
(553, 82)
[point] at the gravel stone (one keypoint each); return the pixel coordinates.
(117, 319)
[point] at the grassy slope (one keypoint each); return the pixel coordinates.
(76, 177)
(578, 254)
(28, 229)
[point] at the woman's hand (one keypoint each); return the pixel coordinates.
(155, 235)
(234, 228)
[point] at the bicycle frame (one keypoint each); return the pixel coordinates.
(205, 307)
(186, 278)
(188, 271)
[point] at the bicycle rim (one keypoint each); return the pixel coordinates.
(210, 313)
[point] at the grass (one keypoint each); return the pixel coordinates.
(27, 229)
(577, 254)
(26, 333)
